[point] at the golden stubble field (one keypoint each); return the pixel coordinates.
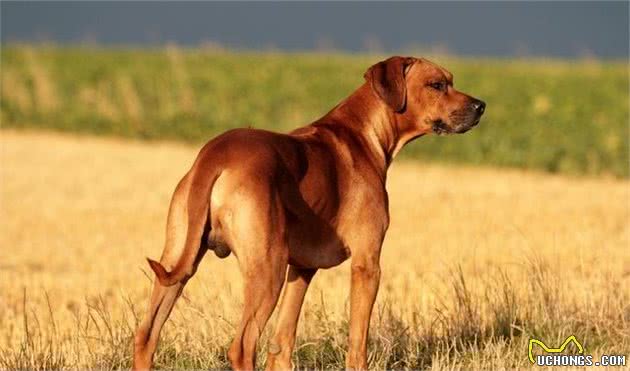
(468, 249)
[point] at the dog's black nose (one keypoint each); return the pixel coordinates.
(478, 106)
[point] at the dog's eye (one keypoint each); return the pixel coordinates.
(438, 86)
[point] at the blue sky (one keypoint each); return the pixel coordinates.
(556, 29)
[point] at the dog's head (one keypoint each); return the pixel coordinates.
(422, 95)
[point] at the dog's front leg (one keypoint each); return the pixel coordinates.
(366, 274)
(282, 342)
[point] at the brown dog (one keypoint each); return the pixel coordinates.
(309, 199)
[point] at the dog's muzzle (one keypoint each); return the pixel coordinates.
(462, 120)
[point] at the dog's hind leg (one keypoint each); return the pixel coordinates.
(162, 301)
(262, 253)
(163, 297)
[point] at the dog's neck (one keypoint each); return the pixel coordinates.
(372, 122)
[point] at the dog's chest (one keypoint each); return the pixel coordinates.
(323, 251)
(319, 242)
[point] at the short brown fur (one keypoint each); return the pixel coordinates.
(305, 200)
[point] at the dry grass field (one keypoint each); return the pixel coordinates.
(475, 263)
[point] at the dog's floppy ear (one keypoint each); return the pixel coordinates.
(387, 79)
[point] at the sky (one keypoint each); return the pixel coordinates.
(556, 29)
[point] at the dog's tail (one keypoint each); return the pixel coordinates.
(197, 213)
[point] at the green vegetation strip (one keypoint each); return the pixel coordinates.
(558, 116)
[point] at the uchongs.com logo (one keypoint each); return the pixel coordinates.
(554, 358)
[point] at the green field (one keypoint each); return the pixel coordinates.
(558, 116)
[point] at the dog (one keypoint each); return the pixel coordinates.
(289, 204)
